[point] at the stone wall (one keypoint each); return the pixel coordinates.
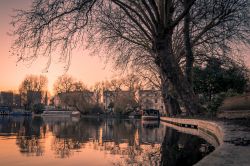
(210, 131)
(220, 134)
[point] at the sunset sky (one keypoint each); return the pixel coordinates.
(83, 67)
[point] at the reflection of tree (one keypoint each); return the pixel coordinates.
(63, 147)
(29, 137)
(102, 134)
(134, 143)
(145, 149)
(147, 155)
(112, 136)
(30, 145)
(70, 137)
(182, 149)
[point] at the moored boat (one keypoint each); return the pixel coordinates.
(61, 113)
(75, 114)
(150, 114)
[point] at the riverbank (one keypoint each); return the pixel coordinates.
(231, 138)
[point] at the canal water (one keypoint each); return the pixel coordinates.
(95, 142)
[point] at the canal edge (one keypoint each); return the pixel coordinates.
(220, 135)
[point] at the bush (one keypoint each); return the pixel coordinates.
(218, 99)
(96, 109)
(219, 76)
(38, 108)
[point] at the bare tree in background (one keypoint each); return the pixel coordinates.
(33, 83)
(79, 86)
(171, 34)
(64, 83)
(98, 89)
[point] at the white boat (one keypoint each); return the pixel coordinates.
(61, 113)
(75, 114)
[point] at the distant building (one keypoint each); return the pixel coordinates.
(151, 99)
(17, 100)
(34, 97)
(6, 98)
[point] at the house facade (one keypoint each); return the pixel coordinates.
(6, 98)
(151, 99)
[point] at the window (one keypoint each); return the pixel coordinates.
(156, 100)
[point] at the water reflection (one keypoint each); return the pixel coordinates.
(115, 141)
(182, 149)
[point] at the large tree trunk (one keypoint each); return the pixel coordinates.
(171, 104)
(188, 46)
(170, 68)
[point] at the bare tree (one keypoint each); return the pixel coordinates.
(171, 34)
(79, 86)
(132, 82)
(83, 100)
(33, 83)
(64, 83)
(98, 89)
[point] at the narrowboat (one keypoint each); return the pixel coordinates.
(150, 114)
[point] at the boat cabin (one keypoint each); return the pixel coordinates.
(150, 114)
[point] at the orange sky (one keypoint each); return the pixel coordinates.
(83, 67)
(86, 68)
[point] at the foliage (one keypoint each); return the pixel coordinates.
(38, 108)
(217, 100)
(66, 83)
(81, 100)
(219, 76)
(217, 79)
(124, 103)
(96, 109)
(111, 105)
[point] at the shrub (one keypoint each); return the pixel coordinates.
(38, 108)
(96, 109)
(218, 99)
